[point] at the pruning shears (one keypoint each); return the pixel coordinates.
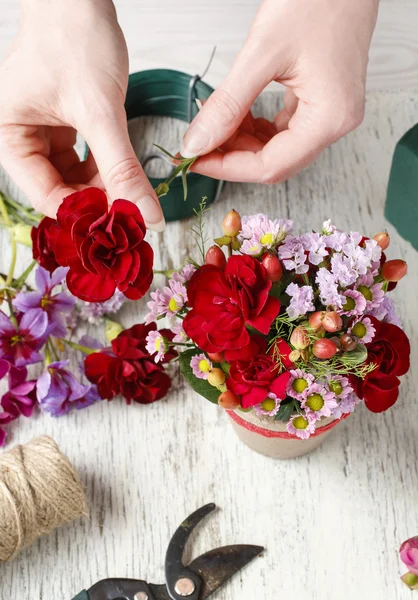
(196, 581)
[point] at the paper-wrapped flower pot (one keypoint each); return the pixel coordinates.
(269, 437)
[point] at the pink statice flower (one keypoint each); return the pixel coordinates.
(386, 311)
(93, 312)
(354, 304)
(201, 366)
(372, 292)
(328, 289)
(185, 274)
(319, 401)
(363, 329)
(345, 405)
(156, 344)
(268, 407)
(301, 425)
(301, 300)
(315, 244)
(342, 270)
(299, 384)
(293, 255)
(258, 231)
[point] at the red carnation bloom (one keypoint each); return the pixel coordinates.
(42, 247)
(104, 247)
(255, 378)
(225, 301)
(128, 369)
(390, 351)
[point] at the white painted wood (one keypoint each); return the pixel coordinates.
(181, 35)
(332, 521)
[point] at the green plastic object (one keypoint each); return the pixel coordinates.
(165, 92)
(82, 596)
(402, 197)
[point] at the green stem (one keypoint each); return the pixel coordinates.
(78, 347)
(12, 314)
(167, 273)
(3, 210)
(28, 212)
(21, 280)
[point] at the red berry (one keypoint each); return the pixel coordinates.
(216, 356)
(315, 320)
(332, 322)
(324, 348)
(383, 239)
(231, 225)
(215, 257)
(394, 270)
(348, 342)
(273, 267)
(228, 400)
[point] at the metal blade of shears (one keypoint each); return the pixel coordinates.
(219, 565)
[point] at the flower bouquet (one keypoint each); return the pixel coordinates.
(287, 332)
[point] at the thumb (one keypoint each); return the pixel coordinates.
(226, 108)
(119, 168)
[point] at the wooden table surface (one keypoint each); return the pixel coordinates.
(332, 521)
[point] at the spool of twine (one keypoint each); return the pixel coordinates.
(39, 491)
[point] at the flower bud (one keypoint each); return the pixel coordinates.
(228, 400)
(216, 377)
(294, 355)
(273, 267)
(215, 257)
(324, 348)
(112, 329)
(332, 322)
(411, 580)
(409, 554)
(394, 270)
(299, 338)
(231, 225)
(383, 239)
(216, 356)
(348, 342)
(315, 320)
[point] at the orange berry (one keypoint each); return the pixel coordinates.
(216, 377)
(231, 225)
(394, 270)
(228, 400)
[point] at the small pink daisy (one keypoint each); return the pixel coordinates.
(268, 407)
(339, 386)
(301, 425)
(372, 292)
(299, 384)
(180, 335)
(201, 366)
(354, 304)
(363, 330)
(173, 297)
(156, 344)
(319, 401)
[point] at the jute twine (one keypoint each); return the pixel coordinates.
(39, 491)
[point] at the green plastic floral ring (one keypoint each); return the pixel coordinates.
(169, 93)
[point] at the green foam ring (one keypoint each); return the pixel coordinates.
(82, 596)
(402, 197)
(165, 92)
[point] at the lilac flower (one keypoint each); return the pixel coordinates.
(93, 312)
(342, 270)
(293, 255)
(268, 407)
(372, 292)
(301, 302)
(328, 288)
(328, 228)
(361, 257)
(156, 344)
(54, 305)
(354, 303)
(319, 401)
(20, 344)
(315, 244)
(337, 240)
(301, 425)
(386, 311)
(258, 231)
(185, 274)
(345, 405)
(299, 384)
(6, 418)
(58, 391)
(201, 366)
(180, 335)
(363, 329)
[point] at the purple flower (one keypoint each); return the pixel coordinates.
(93, 312)
(328, 288)
(345, 405)
(185, 274)
(386, 312)
(54, 305)
(342, 270)
(20, 343)
(315, 244)
(20, 399)
(58, 391)
(293, 255)
(302, 300)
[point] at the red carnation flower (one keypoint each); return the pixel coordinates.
(42, 246)
(225, 301)
(128, 369)
(390, 351)
(255, 378)
(104, 247)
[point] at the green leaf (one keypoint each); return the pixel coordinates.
(225, 366)
(184, 180)
(166, 152)
(201, 386)
(355, 357)
(225, 240)
(285, 411)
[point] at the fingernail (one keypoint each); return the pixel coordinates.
(196, 140)
(152, 213)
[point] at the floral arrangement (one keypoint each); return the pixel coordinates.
(87, 263)
(297, 328)
(409, 556)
